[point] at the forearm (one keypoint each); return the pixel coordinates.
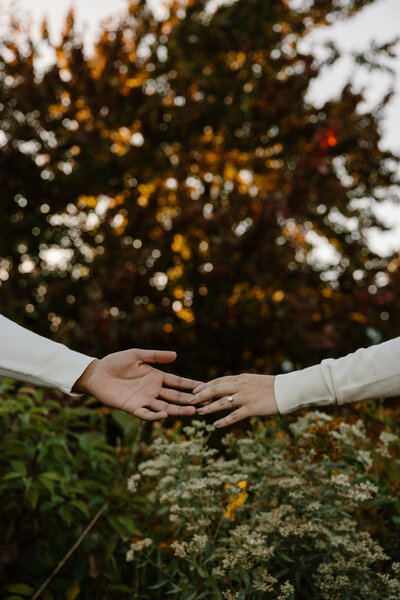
(368, 373)
(32, 358)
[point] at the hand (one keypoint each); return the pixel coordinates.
(124, 380)
(253, 395)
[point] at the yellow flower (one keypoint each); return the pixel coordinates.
(236, 501)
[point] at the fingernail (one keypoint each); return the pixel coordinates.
(217, 424)
(191, 399)
(196, 389)
(200, 411)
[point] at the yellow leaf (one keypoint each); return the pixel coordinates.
(73, 591)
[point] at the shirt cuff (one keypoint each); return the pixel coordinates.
(300, 389)
(64, 368)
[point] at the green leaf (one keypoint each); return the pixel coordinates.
(65, 514)
(158, 585)
(396, 519)
(32, 495)
(129, 525)
(116, 525)
(79, 504)
(174, 589)
(120, 588)
(89, 441)
(21, 588)
(124, 420)
(27, 481)
(47, 483)
(19, 467)
(208, 550)
(190, 595)
(13, 475)
(52, 475)
(285, 556)
(202, 572)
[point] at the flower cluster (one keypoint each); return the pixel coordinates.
(137, 547)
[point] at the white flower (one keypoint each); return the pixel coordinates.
(129, 555)
(141, 544)
(386, 437)
(341, 479)
(199, 541)
(180, 549)
(132, 483)
(137, 547)
(366, 458)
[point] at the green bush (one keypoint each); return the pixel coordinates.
(58, 471)
(279, 515)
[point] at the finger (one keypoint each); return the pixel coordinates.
(206, 403)
(215, 391)
(148, 415)
(233, 417)
(222, 404)
(156, 356)
(175, 396)
(173, 409)
(180, 382)
(226, 379)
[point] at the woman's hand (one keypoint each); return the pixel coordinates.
(250, 395)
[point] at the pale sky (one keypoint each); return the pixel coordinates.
(379, 22)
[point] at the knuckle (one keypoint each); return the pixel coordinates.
(244, 380)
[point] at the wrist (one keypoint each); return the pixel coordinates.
(271, 394)
(82, 384)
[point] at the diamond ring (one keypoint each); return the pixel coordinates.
(230, 399)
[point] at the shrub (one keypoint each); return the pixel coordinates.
(58, 471)
(279, 515)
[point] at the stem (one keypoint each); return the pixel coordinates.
(217, 530)
(157, 567)
(70, 552)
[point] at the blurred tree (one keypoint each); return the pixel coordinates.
(185, 180)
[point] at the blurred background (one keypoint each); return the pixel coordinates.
(177, 179)
(218, 178)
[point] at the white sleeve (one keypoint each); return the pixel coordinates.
(30, 357)
(366, 374)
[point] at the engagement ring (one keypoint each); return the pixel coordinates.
(230, 399)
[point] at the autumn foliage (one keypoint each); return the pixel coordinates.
(186, 179)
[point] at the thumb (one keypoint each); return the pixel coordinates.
(156, 356)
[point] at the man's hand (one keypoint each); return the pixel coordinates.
(124, 380)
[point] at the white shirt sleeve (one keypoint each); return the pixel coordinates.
(30, 357)
(366, 374)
